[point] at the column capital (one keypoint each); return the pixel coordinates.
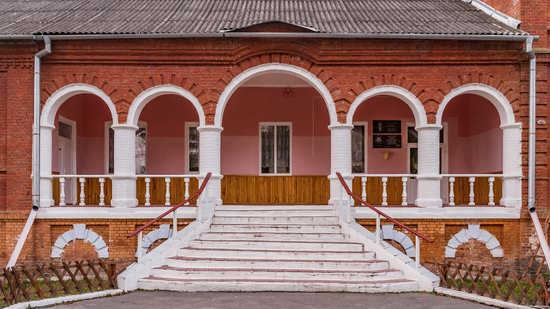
(516, 125)
(124, 127)
(340, 126)
(210, 128)
(47, 127)
(435, 127)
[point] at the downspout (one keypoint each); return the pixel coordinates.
(531, 193)
(35, 154)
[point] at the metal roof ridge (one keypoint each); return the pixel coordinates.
(494, 13)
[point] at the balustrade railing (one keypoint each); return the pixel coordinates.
(82, 190)
(473, 189)
(165, 189)
(384, 189)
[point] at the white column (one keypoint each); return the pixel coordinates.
(511, 165)
(429, 178)
(340, 158)
(124, 177)
(210, 159)
(46, 180)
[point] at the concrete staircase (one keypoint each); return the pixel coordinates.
(276, 248)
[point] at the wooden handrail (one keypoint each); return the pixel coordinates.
(356, 198)
(195, 195)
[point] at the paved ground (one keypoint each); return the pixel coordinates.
(163, 299)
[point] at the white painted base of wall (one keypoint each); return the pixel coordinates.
(65, 299)
(474, 212)
(478, 299)
(111, 212)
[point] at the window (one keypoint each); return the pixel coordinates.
(141, 148)
(412, 144)
(192, 134)
(358, 148)
(275, 148)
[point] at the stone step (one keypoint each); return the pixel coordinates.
(272, 236)
(274, 207)
(277, 254)
(273, 264)
(275, 213)
(276, 245)
(276, 285)
(284, 274)
(307, 220)
(294, 228)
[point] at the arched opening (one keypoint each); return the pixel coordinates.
(78, 149)
(475, 149)
(385, 148)
(275, 144)
(167, 148)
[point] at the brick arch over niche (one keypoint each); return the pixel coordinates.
(80, 232)
(475, 232)
(162, 232)
(284, 59)
(121, 103)
(389, 233)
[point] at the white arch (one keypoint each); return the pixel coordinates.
(275, 68)
(61, 95)
(146, 96)
(162, 232)
(389, 233)
(473, 232)
(395, 91)
(499, 101)
(79, 231)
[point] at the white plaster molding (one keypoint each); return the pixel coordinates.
(64, 299)
(61, 95)
(479, 299)
(395, 91)
(499, 101)
(80, 232)
(474, 232)
(275, 68)
(162, 232)
(389, 233)
(148, 95)
(111, 212)
(489, 10)
(478, 212)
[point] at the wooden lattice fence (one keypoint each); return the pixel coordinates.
(38, 281)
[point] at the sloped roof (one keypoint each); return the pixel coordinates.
(204, 17)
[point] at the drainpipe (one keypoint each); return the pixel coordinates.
(531, 193)
(35, 154)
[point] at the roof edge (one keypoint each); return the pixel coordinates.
(494, 13)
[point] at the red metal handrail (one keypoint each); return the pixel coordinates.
(195, 195)
(359, 200)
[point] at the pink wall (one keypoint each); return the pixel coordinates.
(251, 105)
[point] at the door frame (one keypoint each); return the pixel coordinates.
(365, 145)
(73, 140)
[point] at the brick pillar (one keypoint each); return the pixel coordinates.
(46, 180)
(210, 159)
(511, 165)
(429, 178)
(340, 158)
(124, 178)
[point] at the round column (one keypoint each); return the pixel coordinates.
(511, 165)
(124, 177)
(46, 180)
(210, 159)
(340, 159)
(429, 178)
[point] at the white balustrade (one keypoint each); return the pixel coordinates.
(73, 190)
(167, 191)
(168, 181)
(101, 191)
(470, 195)
(62, 191)
(404, 193)
(147, 191)
(385, 193)
(82, 182)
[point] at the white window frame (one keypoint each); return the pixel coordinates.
(108, 125)
(187, 126)
(443, 146)
(365, 145)
(71, 123)
(288, 124)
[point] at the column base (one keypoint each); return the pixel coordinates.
(510, 202)
(429, 202)
(124, 203)
(46, 202)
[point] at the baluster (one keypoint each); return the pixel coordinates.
(186, 194)
(404, 195)
(167, 194)
(364, 188)
(147, 191)
(101, 191)
(451, 191)
(384, 191)
(491, 191)
(62, 191)
(82, 194)
(472, 195)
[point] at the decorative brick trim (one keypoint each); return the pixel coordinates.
(80, 231)
(389, 233)
(386, 79)
(162, 232)
(474, 232)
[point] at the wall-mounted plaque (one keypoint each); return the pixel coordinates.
(386, 141)
(386, 126)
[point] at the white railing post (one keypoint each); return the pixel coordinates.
(384, 191)
(417, 249)
(101, 191)
(404, 195)
(451, 191)
(377, 234)
(491, 191)
(472, 195)
(147, 191)
(186, 193)
(348, 209)
(341, 199)
(62, 191)
(364, 188)
(81, 180)
(167, 192)
(174, 223)
(140, 246)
